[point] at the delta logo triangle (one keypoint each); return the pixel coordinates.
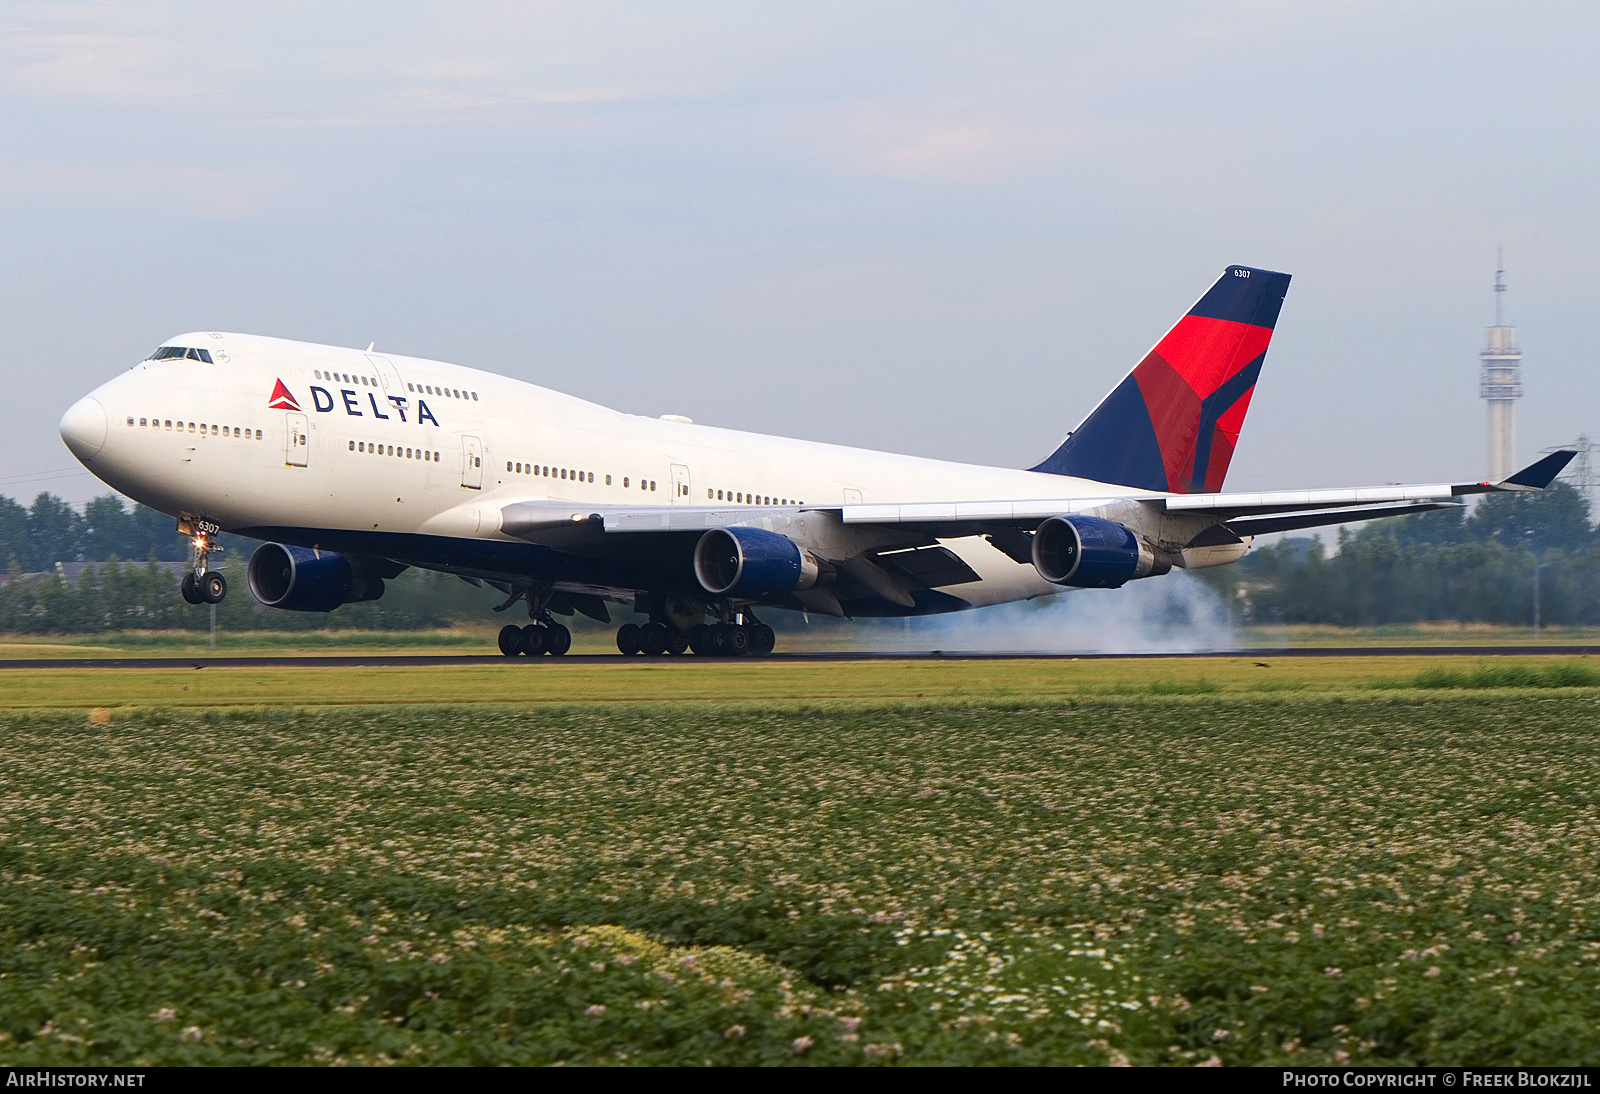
(281, 399)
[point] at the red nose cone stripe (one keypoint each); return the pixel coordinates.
(281, 399)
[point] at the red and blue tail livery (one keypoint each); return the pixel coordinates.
(1173, 422)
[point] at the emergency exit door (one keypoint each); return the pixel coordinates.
(471, 463)
(296, 440)
(680, 485)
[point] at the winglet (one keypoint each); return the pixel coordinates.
(1538, 475)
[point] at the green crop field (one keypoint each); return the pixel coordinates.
(1401, 875)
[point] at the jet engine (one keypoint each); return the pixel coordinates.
(1090, 553)
(752, 562)
(300, 580)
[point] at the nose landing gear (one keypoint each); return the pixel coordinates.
(200, 585)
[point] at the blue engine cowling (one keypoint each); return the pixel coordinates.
(1091, 553)
(298, 579)
(752, 562)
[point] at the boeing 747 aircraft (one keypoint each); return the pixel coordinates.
(356, 465)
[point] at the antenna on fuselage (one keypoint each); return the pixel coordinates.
(371, 346)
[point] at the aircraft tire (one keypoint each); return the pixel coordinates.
(213, 587)
(190, 588)
(700, 639)
(629, 641)
(762, 639)
(532, 640)
(677, 642)
(653, 639)
(717, 640)
(510, 640)
(738, 641)
(557, 640)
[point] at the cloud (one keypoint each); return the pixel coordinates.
(211, 194)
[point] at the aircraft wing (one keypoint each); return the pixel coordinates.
(1218, 518)
(1242, 514)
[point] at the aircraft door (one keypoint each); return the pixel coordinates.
(386, 373)
(471, 463)
(296, 440)
(680, 485)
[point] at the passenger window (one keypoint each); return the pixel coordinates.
(213, 431)
(652, 484)
(258, 434)
(624, 482)
(410, 388)
(474, 396)
(352, 446)
(591, 476)
(142, 421)
(608, 480)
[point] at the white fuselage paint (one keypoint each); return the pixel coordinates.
(199, 469)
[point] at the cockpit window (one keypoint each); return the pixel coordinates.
(165, 352)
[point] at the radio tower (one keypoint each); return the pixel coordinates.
(1500, 384)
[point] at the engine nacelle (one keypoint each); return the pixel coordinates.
(753, 562)
(297, 579)
(1090, 553)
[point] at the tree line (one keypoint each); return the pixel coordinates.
(130, 590)
(51, 531)
(1450, 565)
(1475, 566)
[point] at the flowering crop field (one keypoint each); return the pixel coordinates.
(1387, 877)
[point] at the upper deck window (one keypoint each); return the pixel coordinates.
(165, 352)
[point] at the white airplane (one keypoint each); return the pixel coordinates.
(356, 465)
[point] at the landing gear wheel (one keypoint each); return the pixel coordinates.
(700, 639)
(677, 642)
(653, 639)
(190, 588)
(557, 640)
(511, 640)
(532, 640)
(729, 640)
(762, 638)
(628, 641)
(213, 587)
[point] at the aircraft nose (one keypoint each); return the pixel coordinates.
(84, 426)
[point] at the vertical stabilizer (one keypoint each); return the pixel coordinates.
(1172, 423)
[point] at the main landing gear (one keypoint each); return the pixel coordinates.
(716, 640)
(535, 639)
(200, 585)
(543, 635)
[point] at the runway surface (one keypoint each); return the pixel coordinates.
(428, 660)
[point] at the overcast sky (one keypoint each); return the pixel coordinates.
(945, 229)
